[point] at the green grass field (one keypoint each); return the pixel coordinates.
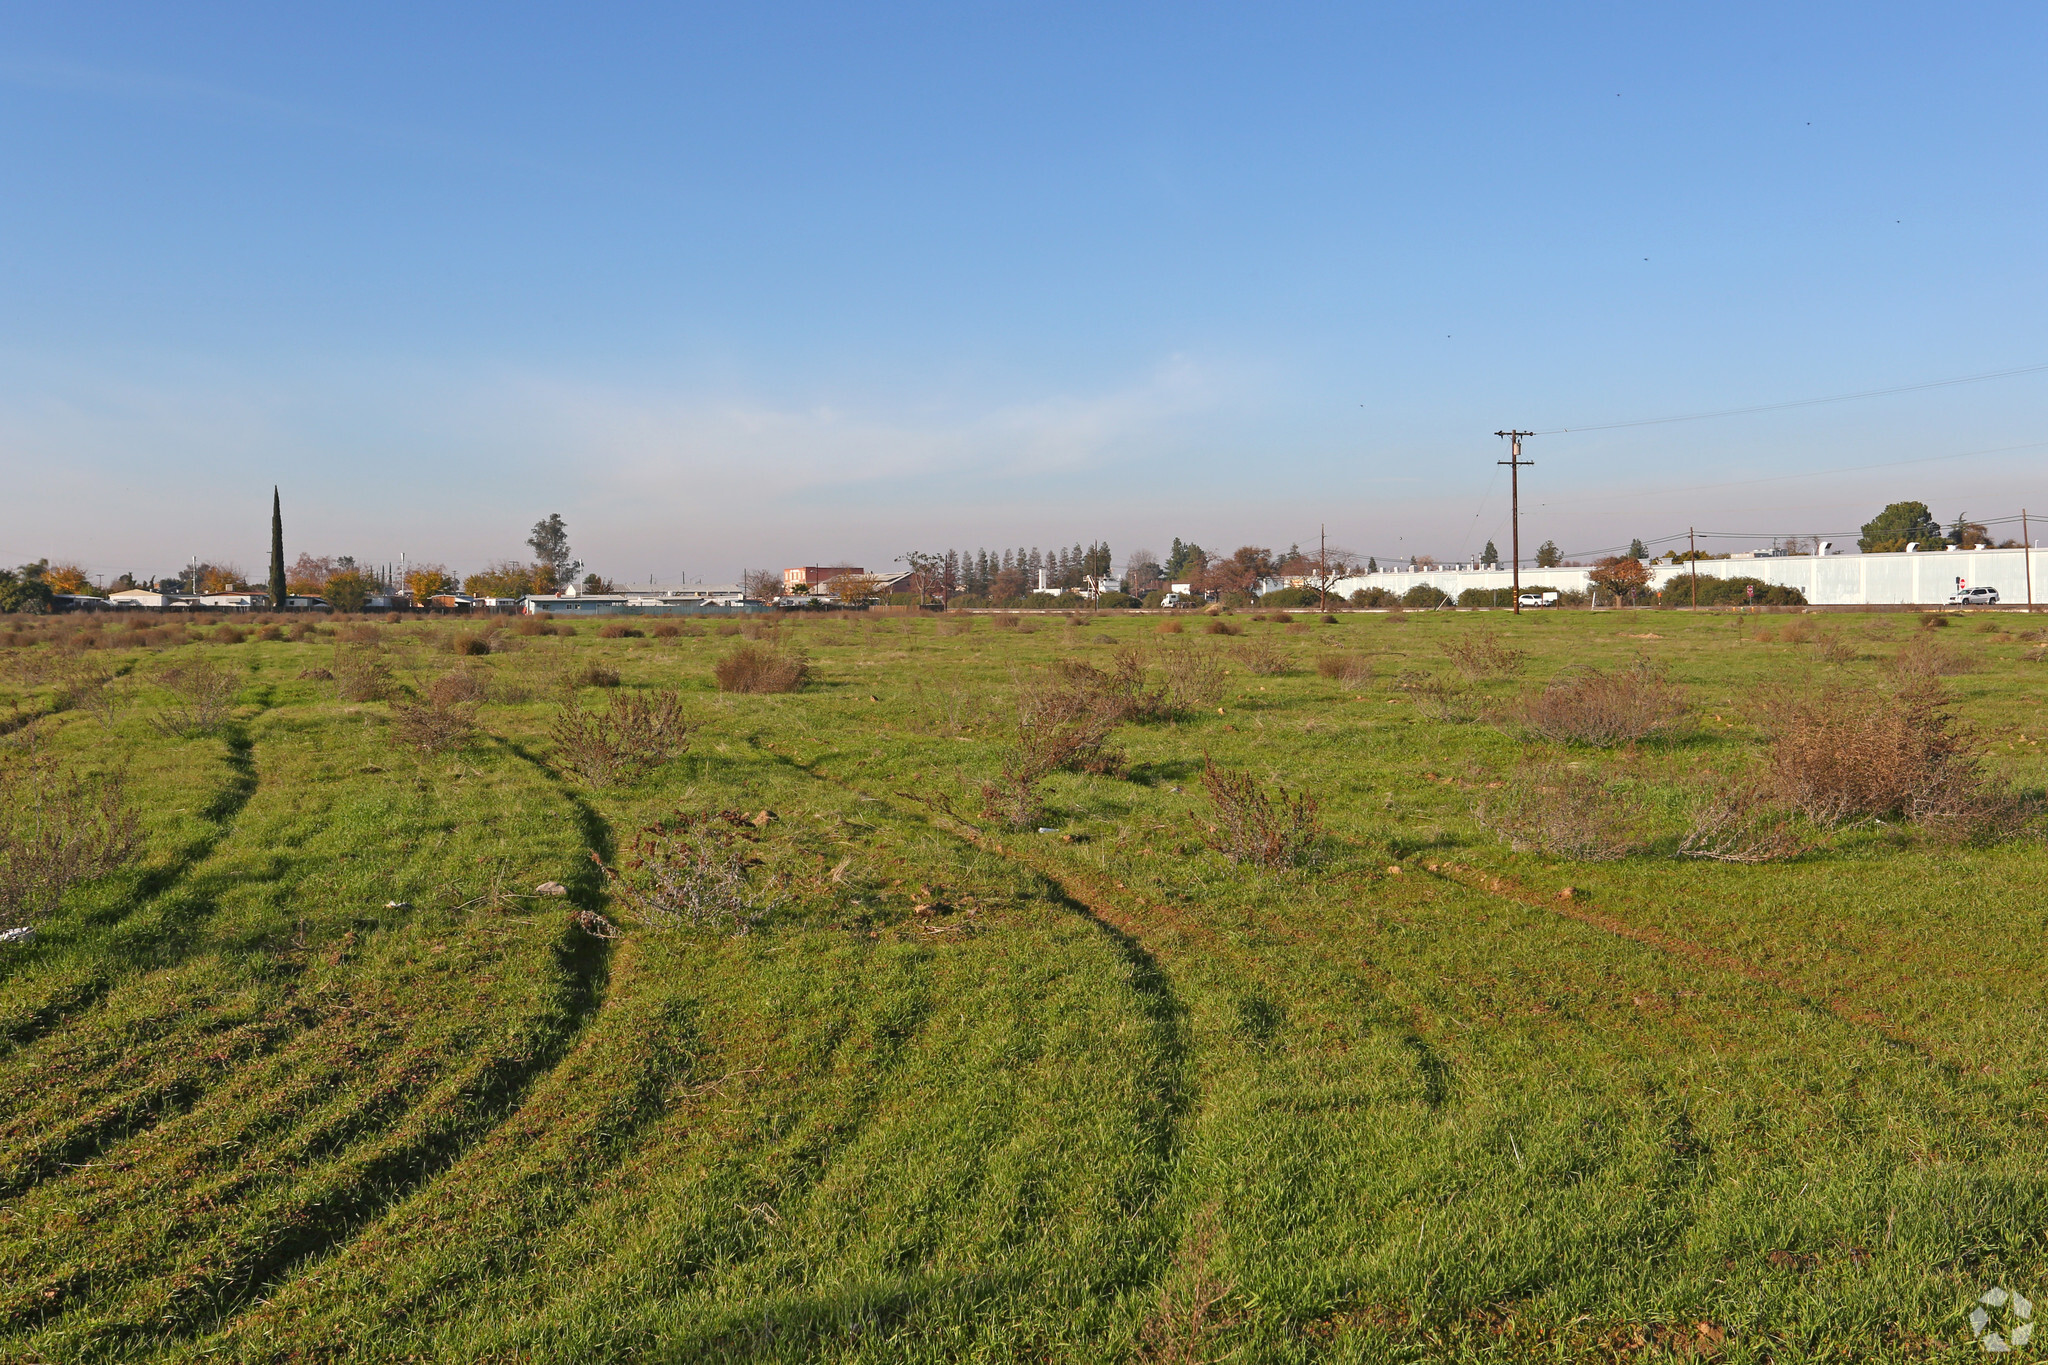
(321, 1076)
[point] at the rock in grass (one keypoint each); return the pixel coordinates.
(551, 889)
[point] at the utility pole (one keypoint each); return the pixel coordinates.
(1692, 543)
(2027, 558)
(1323, 569)
(1515, 464)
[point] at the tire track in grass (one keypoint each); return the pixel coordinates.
(1566, 907)
(129, 947)
(1125, 932)
(396, 1153)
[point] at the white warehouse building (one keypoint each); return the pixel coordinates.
(1827, 580)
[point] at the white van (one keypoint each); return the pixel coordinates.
(1538, 599)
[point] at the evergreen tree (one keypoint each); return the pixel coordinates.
(1548, 556)
(1899, 525)
(1490, 557)
(280, 596)
(1373, 565)
(1636, 550)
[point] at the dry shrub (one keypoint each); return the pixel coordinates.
(459, 685)
(635, 733)
(58, 829)
(696, 871)
(1005, 621)
(1298, 628)
(726, 628)
(229, 635)
(1830, 648)
(1168, 627)
(615, 631)
(1439, 699)
(593, 675)
(1920, 660)
(1250, 826)
(1262, 657)
(270, 633)
(1565, 812)
(1328, 619)
(1797, 633)
(1484, 654)
(667, 632)
(359, 633)
(1933, 620)
(88, 684)
(1588, 706)
(470, 645)
(1065, 716)
(1194, 678)
(761, 668)
(202, 695)
(1218, 626)
(533, 625)
(304, 630)
(361, 674)
(1278, 618)
(432, 727)
(1744, 823)
(1852, 754)
(1352, 670)
(959, 627)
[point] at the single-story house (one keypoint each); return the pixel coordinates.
(719, 599)
(235, 601)
(146, 598)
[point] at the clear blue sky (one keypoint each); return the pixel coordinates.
(758, 284)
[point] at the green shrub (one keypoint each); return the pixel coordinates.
(1722, 592)
(1290, 597)
(1424, 597)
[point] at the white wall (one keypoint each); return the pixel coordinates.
(1833, 580)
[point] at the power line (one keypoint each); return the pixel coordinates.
(1798, 402)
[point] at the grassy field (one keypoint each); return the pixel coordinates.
(321, 1074)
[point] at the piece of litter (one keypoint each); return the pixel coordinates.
(1042, 829)
(551, 889)
(25, 934)
(398, 905)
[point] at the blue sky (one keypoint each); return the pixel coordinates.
(752, 285)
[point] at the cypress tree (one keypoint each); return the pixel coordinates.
(280, 597)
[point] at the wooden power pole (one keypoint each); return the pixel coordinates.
(1692, 543)
(1515, 464)
(2027, 558)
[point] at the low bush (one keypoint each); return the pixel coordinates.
(1438, 699)
(1872, 753)
(1565, 812)
(635, 733)
(432, 727)
(1726, 592)
(1352, 670)
(1588, 706)
(1218, 626)
(1290, 597)
(1483, 654)
(229, 635)
(457, 686)
(1248, 825)
(470, 645)
(202, 696)
(361, 674)
(761, 668)
(1168, 628)
(1921, 660)
(1423, 597)
(695, 871)
(615, 631)
(593, 675)
(58, 828)
(667, 632)
(1262, 657)
(1374, 599)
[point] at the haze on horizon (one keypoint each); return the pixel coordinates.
(769, 284)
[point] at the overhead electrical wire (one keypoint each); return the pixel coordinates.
(1798, 402)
